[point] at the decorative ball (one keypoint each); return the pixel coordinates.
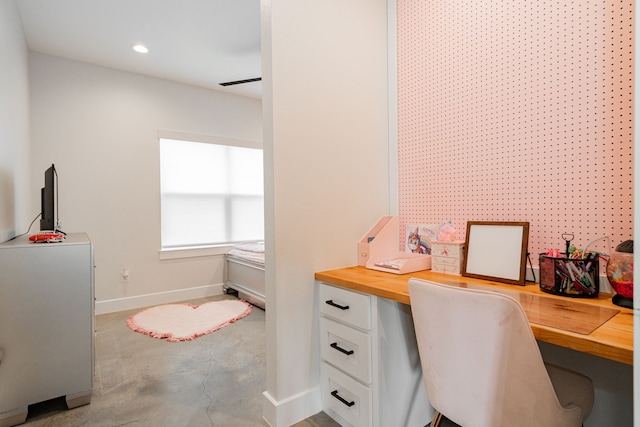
(620, 274)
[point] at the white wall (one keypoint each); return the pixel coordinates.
(100, 128)
(326, 137)
(14, 125)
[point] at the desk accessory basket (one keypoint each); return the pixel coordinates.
(379, 250)
(379, 237)
(576, 278)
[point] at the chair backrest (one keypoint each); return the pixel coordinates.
(481, 364)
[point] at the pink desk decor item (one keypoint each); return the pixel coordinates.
(446, 232)
(379, 249)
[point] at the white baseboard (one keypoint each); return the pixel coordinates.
(139, 301)
(293, 409)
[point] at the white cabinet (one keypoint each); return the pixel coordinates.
(371, 373)
(46, 324)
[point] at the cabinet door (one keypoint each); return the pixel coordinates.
(346, 348)
(46, 322)
(346, 397)
(346, 306)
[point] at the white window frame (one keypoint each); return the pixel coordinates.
(207, 250)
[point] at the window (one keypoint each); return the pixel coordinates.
(211, 193)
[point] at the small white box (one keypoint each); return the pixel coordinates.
(447, 257)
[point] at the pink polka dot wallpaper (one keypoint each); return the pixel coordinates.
(518, 111)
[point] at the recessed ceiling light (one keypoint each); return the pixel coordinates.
(140, 48)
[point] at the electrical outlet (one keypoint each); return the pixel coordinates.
(124, 275)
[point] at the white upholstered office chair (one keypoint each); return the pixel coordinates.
(482, 366)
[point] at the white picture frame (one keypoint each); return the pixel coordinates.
(496, 250)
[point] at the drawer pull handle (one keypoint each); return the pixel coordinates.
(342, 350)
(341, 307)
(335, 394)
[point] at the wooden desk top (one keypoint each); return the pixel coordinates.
(612, 339)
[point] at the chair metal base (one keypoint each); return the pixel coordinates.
(440, 420)
(437, 419)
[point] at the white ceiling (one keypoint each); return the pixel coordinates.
(199, 42)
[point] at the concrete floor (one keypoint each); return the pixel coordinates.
(214, 380)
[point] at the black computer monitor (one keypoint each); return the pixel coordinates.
(48, 200)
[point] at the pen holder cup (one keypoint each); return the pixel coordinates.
(577, 278)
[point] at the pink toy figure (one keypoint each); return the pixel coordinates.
(446, 232)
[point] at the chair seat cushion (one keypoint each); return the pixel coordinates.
(572, 388)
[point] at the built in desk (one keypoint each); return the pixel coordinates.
(595, 325)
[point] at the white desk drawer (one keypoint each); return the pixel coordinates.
(446, 265)
(345, 305)
(346, 348)
(448, 249)
(346, 397)
(446, 269)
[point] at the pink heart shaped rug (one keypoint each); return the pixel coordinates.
(183, 322)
